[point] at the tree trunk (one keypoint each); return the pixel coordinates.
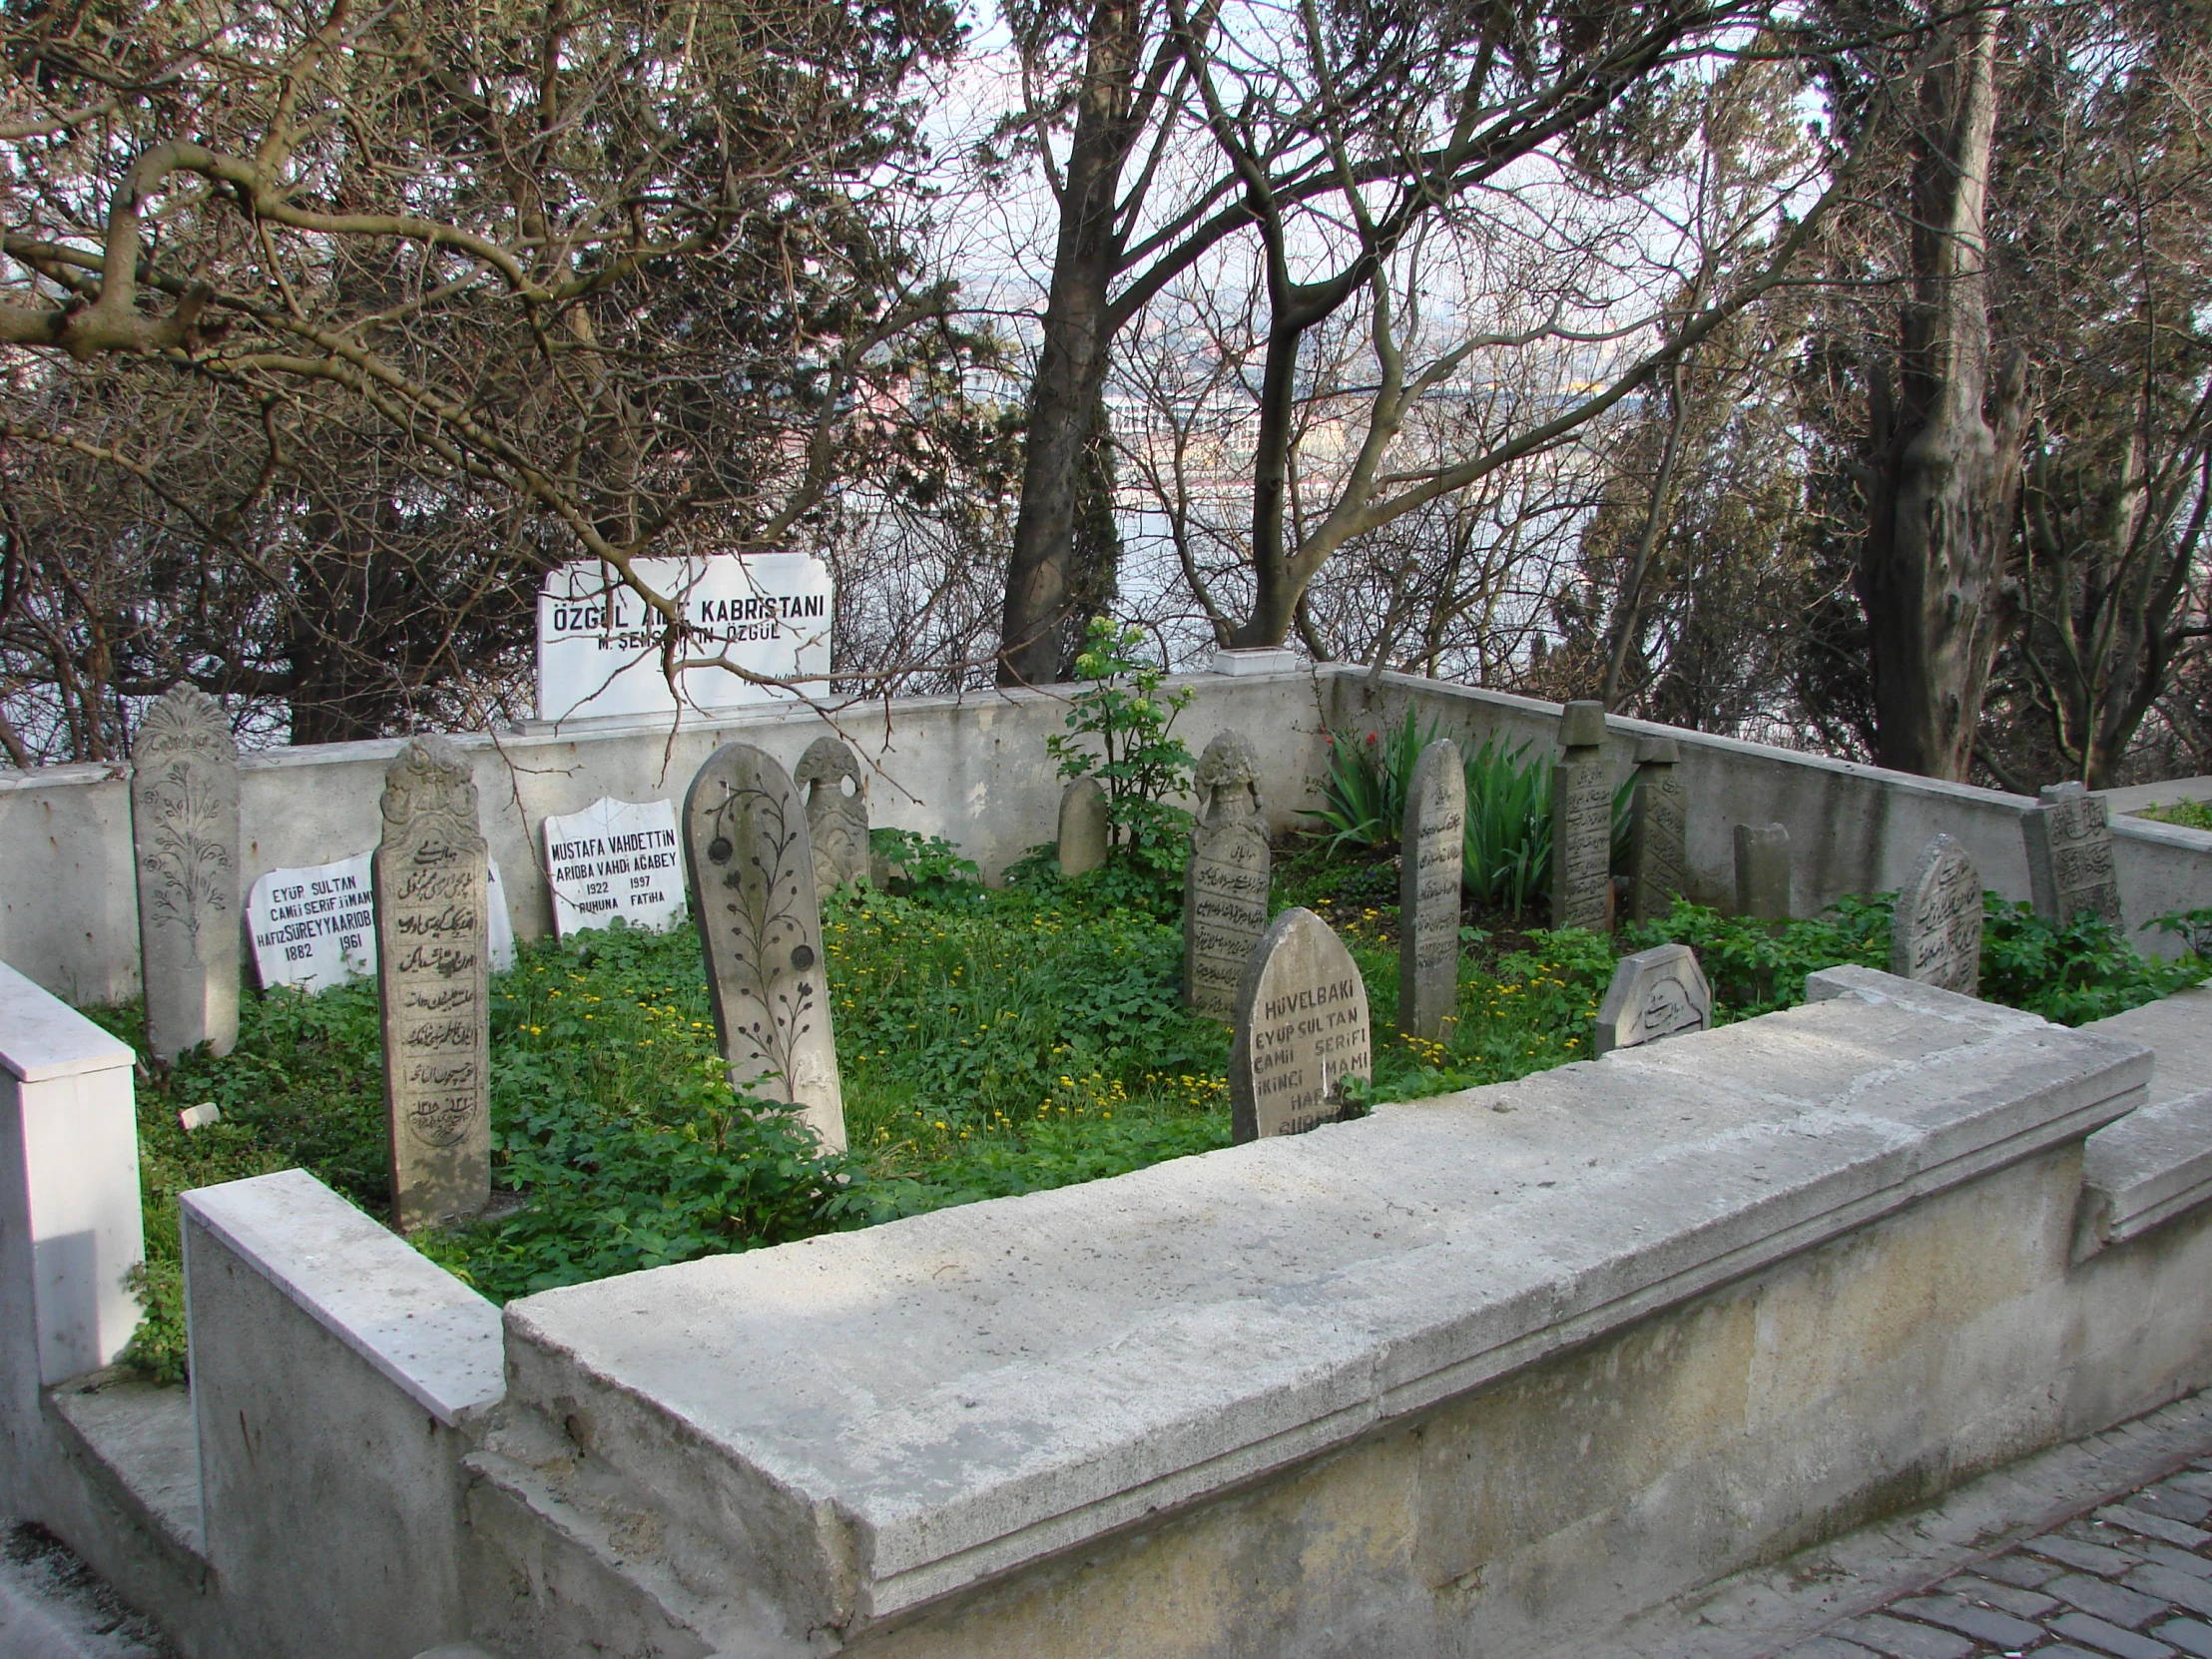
(1276, 588)
(1945, 474)
(1042, 582)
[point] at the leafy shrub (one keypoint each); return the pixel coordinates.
(1121, 708)
(2193, 926)
(2190, 815)
(928, 868)
(2074, 973)
(1364, 794)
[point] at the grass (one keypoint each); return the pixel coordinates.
(2191, 815)
(991, 1043)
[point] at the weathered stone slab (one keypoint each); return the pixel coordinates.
(2069, 856)
(828, 780)
(750, 865)
(1225, 887)
(614, 858)
(1655, 993)
(1302, 1029)
(1658, 831)
(433, 986)
(1581, 823)
(1085, 830)
(2137, 1173)
(1936, 932)
(1431, 853)
(185, 845)
(1763, 872)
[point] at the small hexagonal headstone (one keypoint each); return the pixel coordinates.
(1655, 993)
(1302, 1028)
(1935, 931)
(750, 865)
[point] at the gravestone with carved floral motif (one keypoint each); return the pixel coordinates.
(1935, 931)
(434, 968)
(2069, 856)
(1432, 855)
(751, 864)
(828, 780)
(1225, 886)
(185, 847)
(1581, 823)
(1658, 831)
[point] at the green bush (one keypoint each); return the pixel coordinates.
(1122, 710)
(2190, 815)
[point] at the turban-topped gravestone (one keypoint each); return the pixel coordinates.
(432, 986)
(1935, 931)
(751, 864)
(828, 780)
(1655, 993)
(1225, 886)
(2069, 856)
(1300, 1029)
(1432, 852)
(185, 845)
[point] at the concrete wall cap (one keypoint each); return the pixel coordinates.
(2146, 1169)
(43, 1037)
(424, 1330)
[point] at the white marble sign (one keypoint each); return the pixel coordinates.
(614, 858)
(599, 649)
(315, 927)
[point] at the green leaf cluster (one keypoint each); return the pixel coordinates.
(1119, 730)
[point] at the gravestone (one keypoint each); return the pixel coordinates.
(1581, 823)
(750, 865)
(1658, 831)
(1935, 931)
(313, 927)
(1763, 872)
(433, 967)
(1432, 851)
(837, 820)
(184, 849)
(1225, 886)
(1300, 1029)
(1655, 993)
(2069, 856)
(614, 858)
(1085, 830)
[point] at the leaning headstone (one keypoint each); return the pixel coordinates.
(1655, 993)
(185, 845)
(1658, 831)
(828, 780)
(1085, 830)
(1935, 931)
(1301, 1030)
(1432, 851)
(1581, 823)
(313, 927)
(2069, 856)
(1763, 872)
(750, 865)
(614, 858)
(432, 982)
(1225, 886)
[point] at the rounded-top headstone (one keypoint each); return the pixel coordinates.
(829, 780)
(750, 865)
(185, 845)
(1300, 1029)
(1431, 856)
(1655, 993)
(1582, 725)
(1935, 931)
(1085, 830)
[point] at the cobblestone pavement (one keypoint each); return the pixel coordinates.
(2102, 1549)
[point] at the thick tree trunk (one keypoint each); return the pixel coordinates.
(1042, 587)
(1277, 587)
(1945, 472)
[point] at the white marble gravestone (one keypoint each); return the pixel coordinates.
(1085, 831)
(1655, 993)
(1302, 1028)
(1431, 853)
(750, 865)
(1581, 823)
(614, 858)
(433, 978)
(185, 847)
(829, 780)
(2069, 856)
(1658, 831)
(313, 927)
(1935, 931)
(1225, 886)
